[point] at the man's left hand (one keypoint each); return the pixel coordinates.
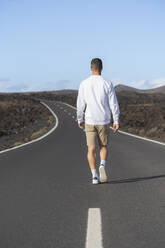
(115, 127)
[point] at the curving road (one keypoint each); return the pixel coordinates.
(47, 199)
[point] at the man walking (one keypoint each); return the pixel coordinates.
(95, 102)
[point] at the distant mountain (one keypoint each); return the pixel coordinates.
(122, 87)
(160, 89)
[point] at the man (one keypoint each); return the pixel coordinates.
(95, 102)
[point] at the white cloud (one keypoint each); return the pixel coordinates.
(6, 85)
(12, 87)
(60, 84)
(149, 84)
(157, 82)
(116, 81)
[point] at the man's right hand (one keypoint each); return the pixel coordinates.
(81, 125)
(115, 127)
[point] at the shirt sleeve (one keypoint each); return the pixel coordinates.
(113, 103)
(80, 105)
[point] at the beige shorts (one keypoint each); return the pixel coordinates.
(97, 132)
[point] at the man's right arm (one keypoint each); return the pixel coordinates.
(80, 105)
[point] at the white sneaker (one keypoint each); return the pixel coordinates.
(103, 176)
(95, 180)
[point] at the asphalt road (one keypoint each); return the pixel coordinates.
(46, 191)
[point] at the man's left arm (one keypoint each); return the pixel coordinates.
(80, 107)
(114, 107)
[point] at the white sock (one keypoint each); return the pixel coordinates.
(102, 163)
(94, 173)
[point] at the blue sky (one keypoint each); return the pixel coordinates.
(48, 45)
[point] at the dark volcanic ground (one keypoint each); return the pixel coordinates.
(22, 119)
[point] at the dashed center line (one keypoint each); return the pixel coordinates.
(94, 229)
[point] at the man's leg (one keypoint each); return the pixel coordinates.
(103, 159)
(91, 143)
(103, 152)
(92, 163)
(92, 157)
(103, 132)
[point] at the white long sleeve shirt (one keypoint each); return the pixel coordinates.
(96, 101)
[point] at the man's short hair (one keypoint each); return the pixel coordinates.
(96, 64)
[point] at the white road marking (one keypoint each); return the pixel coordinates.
(70, 106)
(129, 134)
(94, 229)
(43, 136)
(69, 113)
(73, 116)
(139, 137)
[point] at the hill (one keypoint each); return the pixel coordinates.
(122, 87)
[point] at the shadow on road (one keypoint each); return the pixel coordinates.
(136, 179)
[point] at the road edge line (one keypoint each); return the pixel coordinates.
(139, 137)
(68, 105)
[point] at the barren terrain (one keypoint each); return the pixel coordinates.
(22, 119)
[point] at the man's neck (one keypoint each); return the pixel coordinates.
(96, 73)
